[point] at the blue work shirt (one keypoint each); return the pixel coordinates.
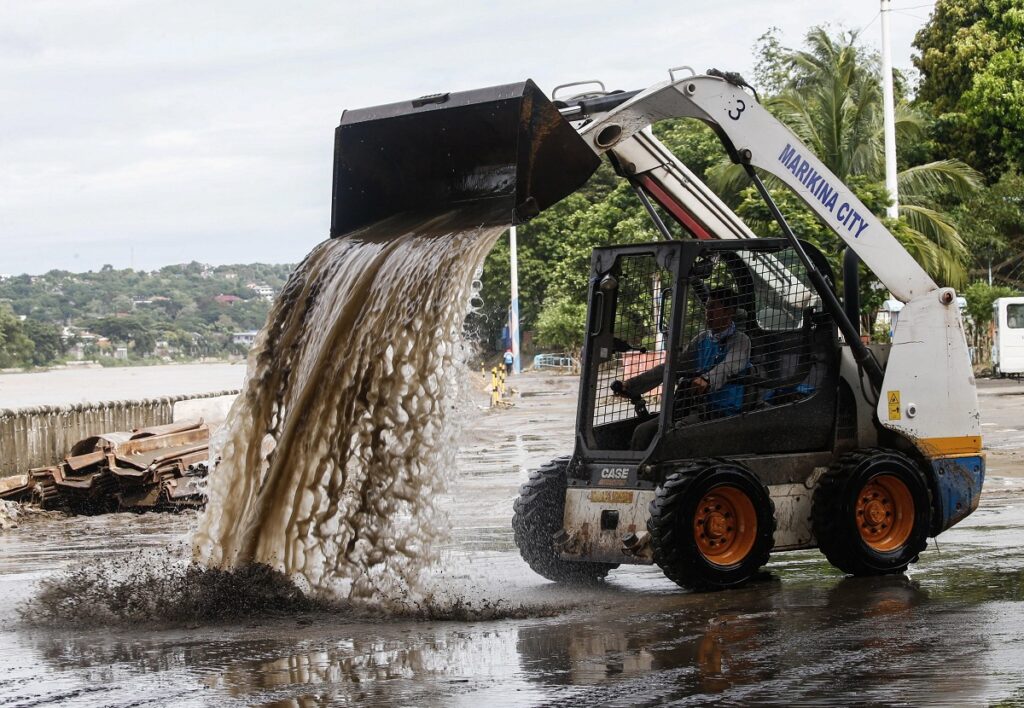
(712, 351)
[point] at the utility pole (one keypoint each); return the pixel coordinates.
(513, 320)
(889, 114)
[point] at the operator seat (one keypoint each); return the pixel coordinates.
(781, 364)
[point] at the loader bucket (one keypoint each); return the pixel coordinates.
(506, 145)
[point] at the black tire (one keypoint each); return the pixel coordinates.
(538, 516)
(847, 537)
(676, 529)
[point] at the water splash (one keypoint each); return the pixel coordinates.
(336, 449)
(155, 588)
(10, 513)
(164, 589)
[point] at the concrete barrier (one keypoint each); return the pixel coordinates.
(213, 409)
(43, 435)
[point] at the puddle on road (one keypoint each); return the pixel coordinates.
(781, 643)
(803, 634)
(952, 632)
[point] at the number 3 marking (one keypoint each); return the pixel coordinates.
(734, 113)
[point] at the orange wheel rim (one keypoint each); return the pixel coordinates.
(725, 526)
(885, 513)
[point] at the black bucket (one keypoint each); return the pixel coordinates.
(506, 145)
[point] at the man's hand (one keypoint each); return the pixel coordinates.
(700, 385)
(619, 389)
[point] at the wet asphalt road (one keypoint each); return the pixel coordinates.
(950, 633)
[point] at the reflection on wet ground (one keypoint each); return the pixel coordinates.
(1002, 425)
(951, 633)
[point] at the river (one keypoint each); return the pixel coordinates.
(90, 385)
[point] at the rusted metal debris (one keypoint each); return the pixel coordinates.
(160, 468)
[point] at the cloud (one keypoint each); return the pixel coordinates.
(154, 132)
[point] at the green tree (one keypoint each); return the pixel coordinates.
(47, 346)
(561, 325)
(980, 296)
(144, 342)
(994, 107)
(770, 75)
(993, 228)
(16, 348)
(972, 75)
(116, 329)
(136, 308)
(833, 103)
(693, 142)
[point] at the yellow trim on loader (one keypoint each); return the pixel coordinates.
(937, 448)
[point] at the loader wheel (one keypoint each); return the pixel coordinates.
(538, 516)
(871, 513)
(712, 526)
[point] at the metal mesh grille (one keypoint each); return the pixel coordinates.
(641, 316)
(746, 342)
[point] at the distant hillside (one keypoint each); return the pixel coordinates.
(177, 312)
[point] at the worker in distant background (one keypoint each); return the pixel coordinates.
(709, 361)
(509, 360)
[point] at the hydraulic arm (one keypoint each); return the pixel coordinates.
(753, 137)
(929, 360)
(511, 148)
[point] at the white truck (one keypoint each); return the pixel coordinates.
(1008, 339)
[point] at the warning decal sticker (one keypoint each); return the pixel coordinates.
(894, 405)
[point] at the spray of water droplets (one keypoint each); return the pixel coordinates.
(334, 454)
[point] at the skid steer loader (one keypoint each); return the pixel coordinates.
(727, 406)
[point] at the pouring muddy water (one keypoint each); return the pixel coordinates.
(336, 449)
(332, 458)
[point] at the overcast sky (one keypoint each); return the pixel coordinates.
(143, 133)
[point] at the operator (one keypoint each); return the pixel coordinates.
(718, 353)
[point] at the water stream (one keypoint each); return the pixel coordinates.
(334, 453)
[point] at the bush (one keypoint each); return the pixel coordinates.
(561, 325)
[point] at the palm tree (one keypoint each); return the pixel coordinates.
(833, 103)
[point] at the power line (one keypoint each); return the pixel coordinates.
(864, 28)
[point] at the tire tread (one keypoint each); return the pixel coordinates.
(537, 516)
(679, 566)
(827, 514)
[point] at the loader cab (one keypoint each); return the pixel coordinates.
(649, 321)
